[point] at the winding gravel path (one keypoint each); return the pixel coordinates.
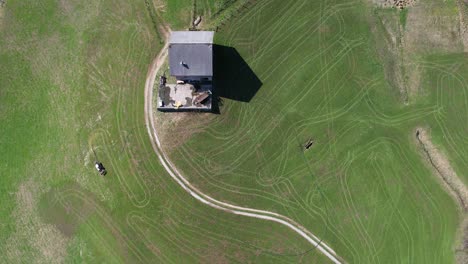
(197, 194)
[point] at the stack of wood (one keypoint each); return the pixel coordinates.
(200, 98)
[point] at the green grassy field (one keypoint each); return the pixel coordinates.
(179, 13)
(72, 80)
(364, 186)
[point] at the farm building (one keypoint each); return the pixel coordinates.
(191, 63)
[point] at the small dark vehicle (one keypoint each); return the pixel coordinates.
(100, 168)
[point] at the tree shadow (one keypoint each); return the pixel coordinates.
(233, 78)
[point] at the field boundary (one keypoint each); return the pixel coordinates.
(230, 10)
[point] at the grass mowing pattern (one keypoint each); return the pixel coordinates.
(363, 187)
(72, 79)
(448, 72)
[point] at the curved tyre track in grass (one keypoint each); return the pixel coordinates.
(197, 194)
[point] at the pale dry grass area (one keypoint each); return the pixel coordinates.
(2, 14)
(159, 5)
(433, 28)
(51, 58)
(175, 129)
(413, 83)
(463, 13)
(89, 10)
(33, 241)
(389, 39)
(430, 27)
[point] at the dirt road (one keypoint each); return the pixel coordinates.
(197, 194)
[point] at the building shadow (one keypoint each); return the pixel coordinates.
(233, 77)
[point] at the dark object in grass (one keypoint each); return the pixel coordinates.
(197, 21)
(99, 167)
(308, 144)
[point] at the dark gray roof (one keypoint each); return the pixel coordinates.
(191, 59)
(191, 53)
(192, 37)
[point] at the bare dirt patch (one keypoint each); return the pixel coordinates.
(176, 128)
